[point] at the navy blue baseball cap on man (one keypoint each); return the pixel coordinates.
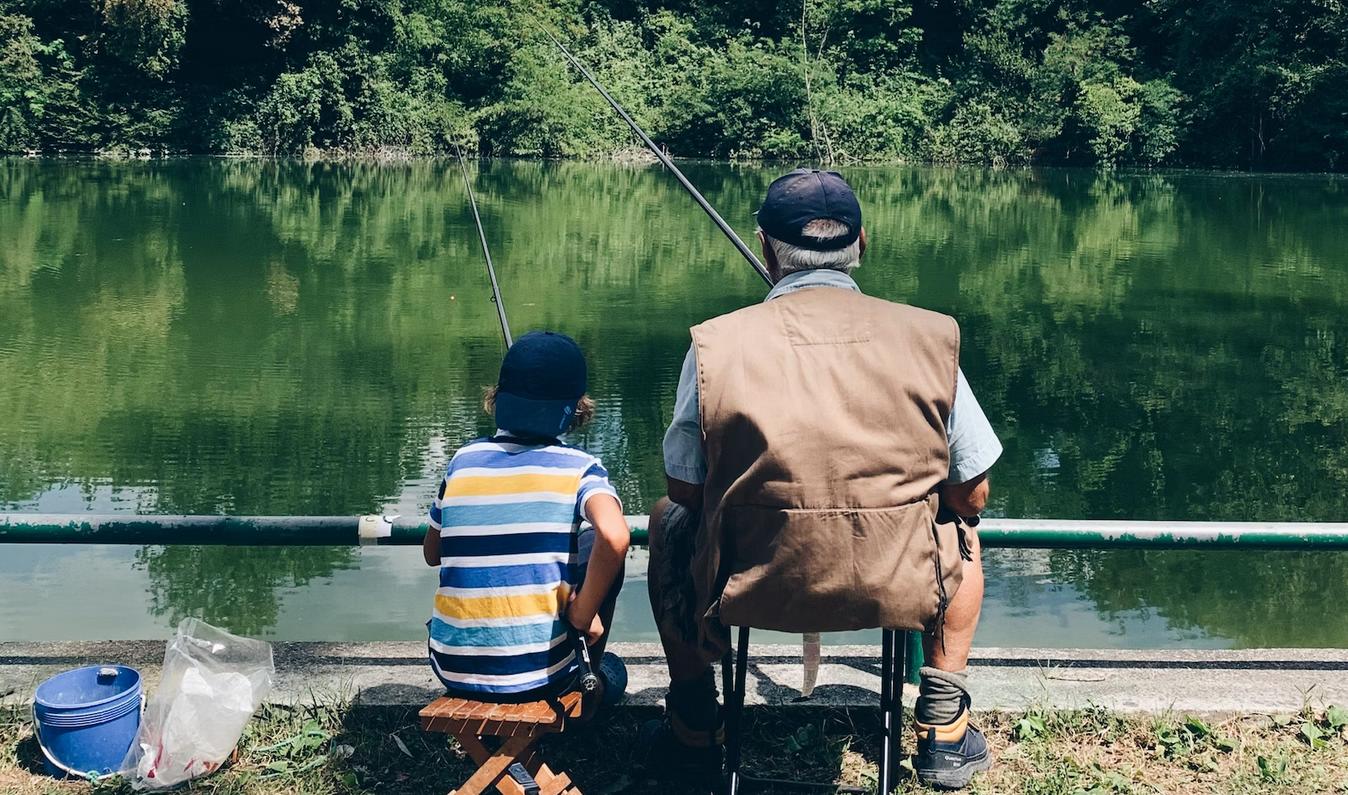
(543, 378)
(806, 195)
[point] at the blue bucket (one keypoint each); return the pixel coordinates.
(86, 719)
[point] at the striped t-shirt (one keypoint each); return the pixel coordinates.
(508, 515)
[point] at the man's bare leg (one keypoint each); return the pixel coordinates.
(961, 616)
(950, 750)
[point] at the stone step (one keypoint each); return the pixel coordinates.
(1147, 681)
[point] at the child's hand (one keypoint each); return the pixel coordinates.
(592, 632)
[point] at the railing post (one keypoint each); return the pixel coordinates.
(915, 657)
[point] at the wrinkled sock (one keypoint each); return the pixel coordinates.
(694, 701)
(941, 695)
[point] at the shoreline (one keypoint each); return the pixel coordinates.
(1006, 680)
(619, 159)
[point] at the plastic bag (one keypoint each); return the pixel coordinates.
(211, 685)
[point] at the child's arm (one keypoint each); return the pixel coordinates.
(430, 547)
(612, 537)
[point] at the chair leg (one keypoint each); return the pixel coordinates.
(728, 674)
(892, 654)
(491, 770)
(886, 702)
(735, 713)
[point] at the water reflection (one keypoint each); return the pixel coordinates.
(251, 337)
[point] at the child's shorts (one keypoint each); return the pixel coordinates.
(584, 545)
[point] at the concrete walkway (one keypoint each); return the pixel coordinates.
(396, 675)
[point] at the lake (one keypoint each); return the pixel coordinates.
(256, 337)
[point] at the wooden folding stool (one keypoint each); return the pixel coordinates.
(515, 767)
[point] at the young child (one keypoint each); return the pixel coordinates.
(518, 579)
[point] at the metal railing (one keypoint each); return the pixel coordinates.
(34, 528)
(28, 528)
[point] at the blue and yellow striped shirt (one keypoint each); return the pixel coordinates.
(508, 515)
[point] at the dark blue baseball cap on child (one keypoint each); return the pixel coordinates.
(542, 379)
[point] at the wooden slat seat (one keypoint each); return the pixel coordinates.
(520, 726)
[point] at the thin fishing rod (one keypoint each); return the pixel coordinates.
(486, 252)
(664, 159)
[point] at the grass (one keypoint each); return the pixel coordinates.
(322, 748)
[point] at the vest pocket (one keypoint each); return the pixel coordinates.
(834, 569)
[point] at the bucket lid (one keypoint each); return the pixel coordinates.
(48, 693)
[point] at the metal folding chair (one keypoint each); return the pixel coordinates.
(734, 673)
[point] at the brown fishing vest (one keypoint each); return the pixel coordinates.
(824, 418)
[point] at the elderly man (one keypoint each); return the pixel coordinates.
(823, 449)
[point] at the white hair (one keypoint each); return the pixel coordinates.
(791, 258)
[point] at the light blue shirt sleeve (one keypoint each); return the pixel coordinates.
(974, 446)
(684, 459)
(594, 481)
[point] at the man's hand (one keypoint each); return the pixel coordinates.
(967, 498)
(689, 495)
(593, 629)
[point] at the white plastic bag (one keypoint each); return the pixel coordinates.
(212, 683)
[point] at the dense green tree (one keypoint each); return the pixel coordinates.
(1267, 78)
(1092, 82)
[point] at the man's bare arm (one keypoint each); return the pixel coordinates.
(968, 498)
(689, 495)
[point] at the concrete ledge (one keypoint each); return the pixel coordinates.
(396, 674)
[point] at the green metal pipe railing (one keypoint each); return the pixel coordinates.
(32, 528)
(29, 528)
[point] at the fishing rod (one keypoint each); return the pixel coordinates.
(663, 158)
(589, 681)
(811, 640)
(486, 252)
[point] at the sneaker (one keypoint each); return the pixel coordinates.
(949, 755)
(612, 674)
(613, 677)
(668, 757)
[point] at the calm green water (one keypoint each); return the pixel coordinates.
(275, 338)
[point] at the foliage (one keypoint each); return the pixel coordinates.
(40, 97)
(988, 81)
(144, 35)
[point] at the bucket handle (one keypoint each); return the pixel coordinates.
(87, 775)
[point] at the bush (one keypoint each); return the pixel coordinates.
(1159, 122)
(978, 134)
(21, 100)
(1108, 113)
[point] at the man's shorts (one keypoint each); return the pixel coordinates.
(674, 601)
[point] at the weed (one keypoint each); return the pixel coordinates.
(1272, 769)
(1030, 727)
(1336, 717)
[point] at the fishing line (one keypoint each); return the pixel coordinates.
(663, 158)
(486, 252)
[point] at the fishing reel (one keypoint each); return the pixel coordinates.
(589, 680)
